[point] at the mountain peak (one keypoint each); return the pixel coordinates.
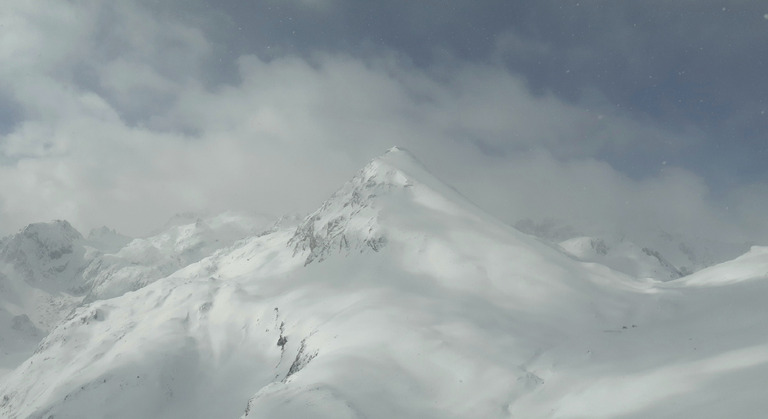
(398, 159)
(58, 227)
(398, 152)
(55, 237)
(398, 167)
(349, 219)
(45, 255)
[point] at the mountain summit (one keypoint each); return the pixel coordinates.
(45, 255)
(399, 298)
(349, 219)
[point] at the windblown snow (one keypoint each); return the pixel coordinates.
(396, 298)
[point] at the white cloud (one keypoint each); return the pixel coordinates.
(144, 137)
(594, 197)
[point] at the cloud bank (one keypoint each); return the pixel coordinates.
(120, 114)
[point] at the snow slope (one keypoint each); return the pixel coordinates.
(398, 298)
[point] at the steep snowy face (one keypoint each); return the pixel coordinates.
(48, 256)
(349, 220)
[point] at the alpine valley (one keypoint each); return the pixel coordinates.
(397, 298)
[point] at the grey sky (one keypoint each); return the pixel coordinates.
(627, 115)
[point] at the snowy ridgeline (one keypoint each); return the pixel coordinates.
(657, 254)
(396, 298)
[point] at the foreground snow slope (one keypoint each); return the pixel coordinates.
(398, 298)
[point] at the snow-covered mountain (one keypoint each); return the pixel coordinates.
(40, 280)
(623, 256)
(185, 239)
(48, 269)
(48, 256)
(682, 254)
(399, 298)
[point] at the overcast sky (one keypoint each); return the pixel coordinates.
(600, 114)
